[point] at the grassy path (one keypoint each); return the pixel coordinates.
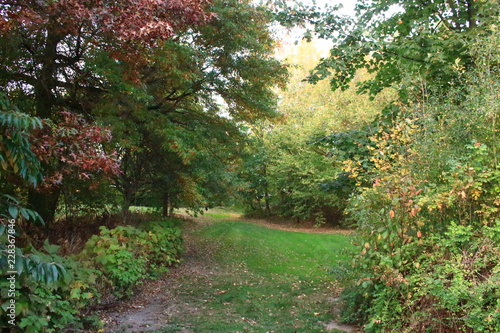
(243, 277)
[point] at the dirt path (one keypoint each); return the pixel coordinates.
(293, 227)
(158, 303)
(296, 228)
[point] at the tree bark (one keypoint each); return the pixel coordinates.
(471, 14)
(45, 203)
(167, 205)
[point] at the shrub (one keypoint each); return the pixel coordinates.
(430, 247)
(52, 292)
(127, 255)
(49, 296)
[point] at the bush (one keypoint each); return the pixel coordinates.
(49, 296)
(52, 292)
(429, 218)
(461, 282)
(430, 246)
(127, 255)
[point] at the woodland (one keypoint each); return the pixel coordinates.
(115, 116)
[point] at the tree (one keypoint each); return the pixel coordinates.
(18, 163)
(178, 128)
(394, 38)
(72, 150)
(47, 45)
(288, 166)
(254, 189)
(51, 51)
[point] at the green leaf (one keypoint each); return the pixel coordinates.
(51, 249)
(25, 213)
(13, 211)
(20, 264)
(55, 272)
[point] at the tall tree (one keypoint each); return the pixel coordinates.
(284, 170)
(191, 101)
(50, 52)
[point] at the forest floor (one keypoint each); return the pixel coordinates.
(240, 275)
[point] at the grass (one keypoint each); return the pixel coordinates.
(267, 280)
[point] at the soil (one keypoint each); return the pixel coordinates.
(156, 302)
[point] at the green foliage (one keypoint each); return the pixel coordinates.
(430, 253)
(18, 163)
(402, 41)
(179, 126)
(126, 255)
(54, 292)
(254, 189)
(294, 167)
(11, 208)
(16, 156)
(460, 279)
(174, 105)
(429, 220)
(51, 291)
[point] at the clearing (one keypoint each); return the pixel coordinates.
(242, 276)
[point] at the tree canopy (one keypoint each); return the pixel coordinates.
(393, 38)
(166, 77)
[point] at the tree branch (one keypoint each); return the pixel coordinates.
(405, 57)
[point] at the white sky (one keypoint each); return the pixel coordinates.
(291, 37)
(348, 5)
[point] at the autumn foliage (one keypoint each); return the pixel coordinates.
(76, 146)
(126, 21)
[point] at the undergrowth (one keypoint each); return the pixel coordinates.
(54, 292)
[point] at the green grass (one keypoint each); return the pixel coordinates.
(145, 210)
(220, 213)
(268, 280)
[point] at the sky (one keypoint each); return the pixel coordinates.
(289, 38)
(348, 5)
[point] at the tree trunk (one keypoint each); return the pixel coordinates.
(266, 192)
(128, 193)
(167, 207)
(268, 206)
(44, 203)
(471, 14)
(47, 81)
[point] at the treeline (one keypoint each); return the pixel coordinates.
(287, 169)
(420, 180)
